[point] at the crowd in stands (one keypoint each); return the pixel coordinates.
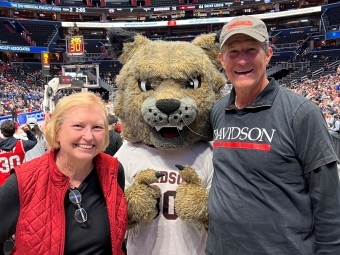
(25, 95)
(325, 92)
(22, 96)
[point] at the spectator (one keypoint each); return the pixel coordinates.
(40, 148)
(14, 113)
(115, 139)
(12, 150)
(70, 200)
(275, 188)
(335, 130)
(329, 119)
(110, 107)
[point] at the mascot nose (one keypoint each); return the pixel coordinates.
(168, 106)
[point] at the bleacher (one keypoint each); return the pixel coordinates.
(333, 16)
(157, 3)
(91, 48)
(289, 39)
(113, 69)
(27, 1)
(78, 3)
(209, 1)
(121, 3)
(7, 36)
(40, 33)
(21, 71)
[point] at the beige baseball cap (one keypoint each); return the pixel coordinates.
(31, 122)
(247, 25)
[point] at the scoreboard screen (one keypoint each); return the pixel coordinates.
(75, 45)
(65, 80)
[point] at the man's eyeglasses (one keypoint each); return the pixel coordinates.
(75, 197)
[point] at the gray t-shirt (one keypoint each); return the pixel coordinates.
(262, 199)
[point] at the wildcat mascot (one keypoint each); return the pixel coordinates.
(166, 92)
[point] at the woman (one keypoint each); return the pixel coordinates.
(67, 201)
(40, 148)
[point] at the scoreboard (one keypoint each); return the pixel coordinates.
(72, 82)
(75, 46)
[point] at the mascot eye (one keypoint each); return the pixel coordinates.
(193, 83)
(145, 86)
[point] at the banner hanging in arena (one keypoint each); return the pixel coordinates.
(17, 48)
(125, 9)
(22, 118)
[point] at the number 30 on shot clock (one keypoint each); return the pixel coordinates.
(75, 46)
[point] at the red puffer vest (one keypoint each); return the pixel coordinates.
(42, 188)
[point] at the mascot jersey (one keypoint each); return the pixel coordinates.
(166, 234)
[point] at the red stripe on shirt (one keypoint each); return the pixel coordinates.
(242, 145)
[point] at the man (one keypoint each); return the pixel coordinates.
(14, 113)
(275, 188)
(41, 147)
(115, 139)
(12, 150)
(335, 130)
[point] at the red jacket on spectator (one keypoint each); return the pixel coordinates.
(43, 224)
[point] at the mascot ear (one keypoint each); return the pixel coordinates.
(210, 44)
(124, 42)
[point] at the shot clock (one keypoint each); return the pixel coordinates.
(75, 45)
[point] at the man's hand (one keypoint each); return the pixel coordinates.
(24, 127)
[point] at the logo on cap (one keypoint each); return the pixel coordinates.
(240, 23)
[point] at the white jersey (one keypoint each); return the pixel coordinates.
(166, 234)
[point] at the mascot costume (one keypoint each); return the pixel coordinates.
(166, 92)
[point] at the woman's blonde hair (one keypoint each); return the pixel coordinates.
(62, 109)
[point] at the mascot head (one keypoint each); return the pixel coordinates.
(166, 89)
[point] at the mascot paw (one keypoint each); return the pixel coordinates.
(191, 201)
(142, 197)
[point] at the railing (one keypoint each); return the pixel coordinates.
(53, 39)
(294, 82)
(298, 65)
(323, 16)
(317, 72)
(94, 56)
(304, 78)
(286, 65)
(288, 45)
(28, 39)
(334, 63)
(32, 77)
(278, 67)
(335, 27)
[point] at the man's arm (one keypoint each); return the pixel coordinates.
(119, 142)
(31, 142)
(325, 196)
(9, 209)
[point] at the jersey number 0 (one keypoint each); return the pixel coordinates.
(6, 164)
(168, 212)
